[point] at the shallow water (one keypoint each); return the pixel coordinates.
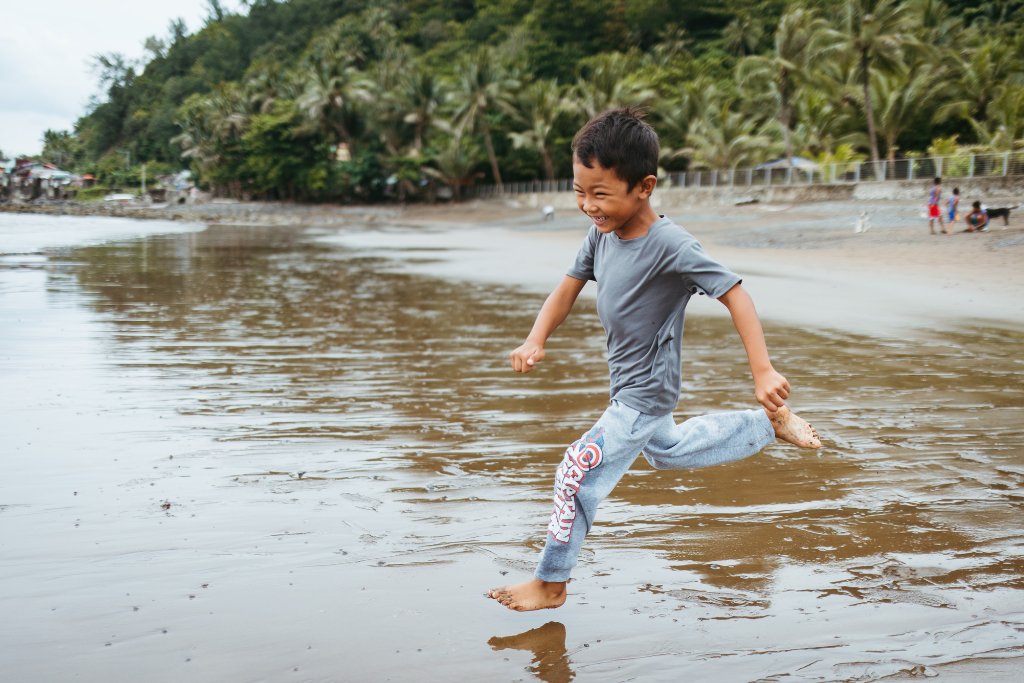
(250, 453)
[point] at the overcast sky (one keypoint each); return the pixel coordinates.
(45, 50)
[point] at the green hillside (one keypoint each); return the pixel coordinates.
(459, 91)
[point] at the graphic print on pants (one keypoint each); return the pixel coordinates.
(581, 457)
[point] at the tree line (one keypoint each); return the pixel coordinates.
(389, 99)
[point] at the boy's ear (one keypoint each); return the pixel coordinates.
(647, 186)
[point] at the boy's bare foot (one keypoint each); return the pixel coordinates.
(531, 595)
(794, 429)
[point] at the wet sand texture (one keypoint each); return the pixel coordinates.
(248, 453)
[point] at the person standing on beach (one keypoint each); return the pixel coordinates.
(647, 268)
(954, 206)
(933, 207)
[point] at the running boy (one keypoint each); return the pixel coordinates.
(646, 268)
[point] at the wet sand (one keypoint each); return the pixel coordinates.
(296, 453)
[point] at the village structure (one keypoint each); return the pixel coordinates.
(29, 180)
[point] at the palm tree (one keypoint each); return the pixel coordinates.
(386, 109)
(874, 32)
(481, 86)
(421, 93)
(937, 25)
(540, 105)
(673, 42)
(724, 138)
(899, 98)
(979, 78)
(995, 13)
(824, 123)
(799, 39)
(455, 164)
(675, 116)
(333, 85)
(743, 34)
(1004, 128)
(209, 122)
(609, 80)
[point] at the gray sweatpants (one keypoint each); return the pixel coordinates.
(593, 465)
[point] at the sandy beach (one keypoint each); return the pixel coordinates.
(294, 452)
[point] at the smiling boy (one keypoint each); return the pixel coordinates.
(646, 268)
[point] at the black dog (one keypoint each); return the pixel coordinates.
(1003, 211)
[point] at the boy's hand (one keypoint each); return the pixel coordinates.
(526, 356)
(771, 390)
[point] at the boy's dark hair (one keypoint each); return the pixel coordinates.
(976, 205)
(956, 190)
(938, 180)
(621, 140)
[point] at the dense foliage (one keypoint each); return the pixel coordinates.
(358, 99)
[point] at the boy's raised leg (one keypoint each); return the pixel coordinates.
(531, 595)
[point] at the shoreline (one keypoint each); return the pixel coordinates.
(802, 262)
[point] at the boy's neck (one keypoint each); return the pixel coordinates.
(639, 224)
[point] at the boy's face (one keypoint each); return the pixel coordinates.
(606, 198)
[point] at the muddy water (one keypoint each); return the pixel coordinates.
(249, 454)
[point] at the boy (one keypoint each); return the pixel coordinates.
(977, 219)
(954, 207)
(646, 268)
(933, 208)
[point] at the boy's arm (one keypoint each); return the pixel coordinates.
(770, 388)
(552, 313)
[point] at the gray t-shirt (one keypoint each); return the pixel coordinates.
(643, 286)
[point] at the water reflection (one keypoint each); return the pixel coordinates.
(550, 663)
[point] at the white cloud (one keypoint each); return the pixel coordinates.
(45, 75)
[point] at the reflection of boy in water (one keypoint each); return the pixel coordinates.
(977, 219)
(647, 268)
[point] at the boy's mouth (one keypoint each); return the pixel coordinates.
(598, 220)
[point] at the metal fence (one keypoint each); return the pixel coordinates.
(961, 166)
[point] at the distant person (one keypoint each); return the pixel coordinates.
(933, 207)
(954, 206)
(647, 269)
(977, 219)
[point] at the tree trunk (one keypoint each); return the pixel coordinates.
(343, 131)
(490, 152)
(868, 110)
(549, 169)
